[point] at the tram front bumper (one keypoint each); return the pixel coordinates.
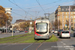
(41, 37)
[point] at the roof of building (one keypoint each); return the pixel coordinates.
(66, 8)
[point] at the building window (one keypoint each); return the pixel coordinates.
(66, 16)
(59, 9)
(74, 20)
(58, 13)
(62, 9)
(74, 9)
(66, 12)
(74, 24)
(71, 16)
(71, 13)
(63, 13)
(66, 20)
(71, 20)
(74, 16)
(74, 12)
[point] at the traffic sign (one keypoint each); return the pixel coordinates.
(65, 24)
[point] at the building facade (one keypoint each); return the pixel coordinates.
(52, 19)
(8, 10)
(62, 15)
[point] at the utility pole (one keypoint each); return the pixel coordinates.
(12, 30)
(58, 22)
(62, 21)
(54, 24)
(30, 27)
(47, 14)
(36, 14)
(69, 21)
(6, 26)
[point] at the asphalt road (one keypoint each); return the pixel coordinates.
(10, 34)
(66, 43)
(37, 46)
(62, 44)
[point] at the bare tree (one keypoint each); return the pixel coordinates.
(56, 23)
(67, 23)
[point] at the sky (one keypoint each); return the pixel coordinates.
(26, 9)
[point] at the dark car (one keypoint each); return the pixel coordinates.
(0, 32)
(11, 31)
(26, 31)
(21, 31)
(59, 31)
(74, 33)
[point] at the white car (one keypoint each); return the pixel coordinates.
(52, 31)
(56, 31)
(65, 34)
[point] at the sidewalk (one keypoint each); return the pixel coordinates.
(10, 34)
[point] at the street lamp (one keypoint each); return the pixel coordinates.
(12, 28)
(62, 21)
(69, 21)
(30, 27)
(7, 25)
(58, 22)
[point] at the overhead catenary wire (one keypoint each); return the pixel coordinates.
(54, 6)
(46, 4)
(17, 14)
(20, 7)
(40, 6)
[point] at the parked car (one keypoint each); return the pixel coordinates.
(52, 31)
(26, 31)
(64, 34)
(17, 31)
(59, 31)
(21, 31)
(0, 32)
(11, 31)
(56, 31)
(74, 33)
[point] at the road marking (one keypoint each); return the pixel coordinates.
(68, 47)
(63, 43)
(27, 46)
(39, 46)
(72, 48)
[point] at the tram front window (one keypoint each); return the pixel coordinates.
(41, 27)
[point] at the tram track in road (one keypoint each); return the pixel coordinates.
(30, 45)
(40, 44)
(34, 44)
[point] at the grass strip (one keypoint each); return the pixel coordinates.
(52, 39)
(25, 38)
(16, 38)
